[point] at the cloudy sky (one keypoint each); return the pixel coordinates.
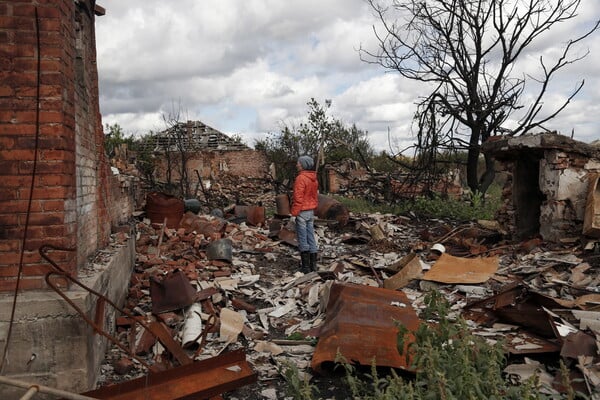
(248, 67)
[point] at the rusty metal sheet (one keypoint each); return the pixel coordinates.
(288, 236)
(360, 325)
(450, 269)
(254, 215)
(523, 343)
(528, 315)
(171, 293)
(579, 344)
(198, 380)
(329, 208)
(516, 305)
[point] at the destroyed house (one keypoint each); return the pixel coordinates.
(207, 152)
(548, 180)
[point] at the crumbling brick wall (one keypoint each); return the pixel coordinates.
(547, 184)
(69, 198)
(211, 164)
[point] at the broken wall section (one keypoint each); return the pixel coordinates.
(352, 179)
(547, 184)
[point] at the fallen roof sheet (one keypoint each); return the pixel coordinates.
(361, 326)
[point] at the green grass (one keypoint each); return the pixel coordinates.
(437, 207)
(450, 363)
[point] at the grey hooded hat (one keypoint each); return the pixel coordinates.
(306, 162)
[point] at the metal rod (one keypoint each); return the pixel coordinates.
(30, 393)
(44, 389)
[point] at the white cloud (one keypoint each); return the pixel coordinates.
(249, 67)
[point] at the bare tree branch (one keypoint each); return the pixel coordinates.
(468, 50)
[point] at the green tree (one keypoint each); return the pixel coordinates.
(323, 137)
(114, 136)
(466, 52)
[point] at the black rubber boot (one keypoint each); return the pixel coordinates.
(313, 261)
(305, 262)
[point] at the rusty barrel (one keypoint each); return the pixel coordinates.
(161, 205)
(332, 209)
(282, 202)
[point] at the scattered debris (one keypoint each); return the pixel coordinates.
(249, 295)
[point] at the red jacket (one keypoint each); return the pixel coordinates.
(306, 189)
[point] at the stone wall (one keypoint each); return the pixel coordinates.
(546, 189)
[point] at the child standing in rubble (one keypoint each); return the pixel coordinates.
(304, 203)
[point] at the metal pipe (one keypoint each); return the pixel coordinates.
(30, 393)
(43, 389)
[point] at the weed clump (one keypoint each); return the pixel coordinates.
(450, 363)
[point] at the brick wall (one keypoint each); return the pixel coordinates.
(547, 185)
(210, 164)
(66, 202)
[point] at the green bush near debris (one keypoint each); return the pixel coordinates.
(473, 208)
(451, 363)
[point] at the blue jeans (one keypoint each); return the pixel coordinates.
(305, 230)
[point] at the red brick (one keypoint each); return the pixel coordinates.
(53, 205)
(24, 117)
(51, 193)
(53, 218)
(20, 23)
(51, 105)
(9, 285)
(8, 194)
(27, 270)
(17, 129)
(24, 10)
(54, 52)
(16, 181)
(35, 244)
(60, 155)
(21, 206)
(6, 91)
(7, 142)
(27, 79)
(44, 142)
(47, 167)
(56, 180)
(17, 154)
(10, 245)
(51, 117)
(19, 104)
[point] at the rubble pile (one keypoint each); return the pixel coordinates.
(218, 285)
(350, 179)
(231, 190)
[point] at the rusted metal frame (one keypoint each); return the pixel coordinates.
(211, 322)
(199, 380)
(98, 329)
(159, 331)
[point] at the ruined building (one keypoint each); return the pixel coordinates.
(207, 152)
(547, 187)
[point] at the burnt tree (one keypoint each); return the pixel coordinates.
(465, 52)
